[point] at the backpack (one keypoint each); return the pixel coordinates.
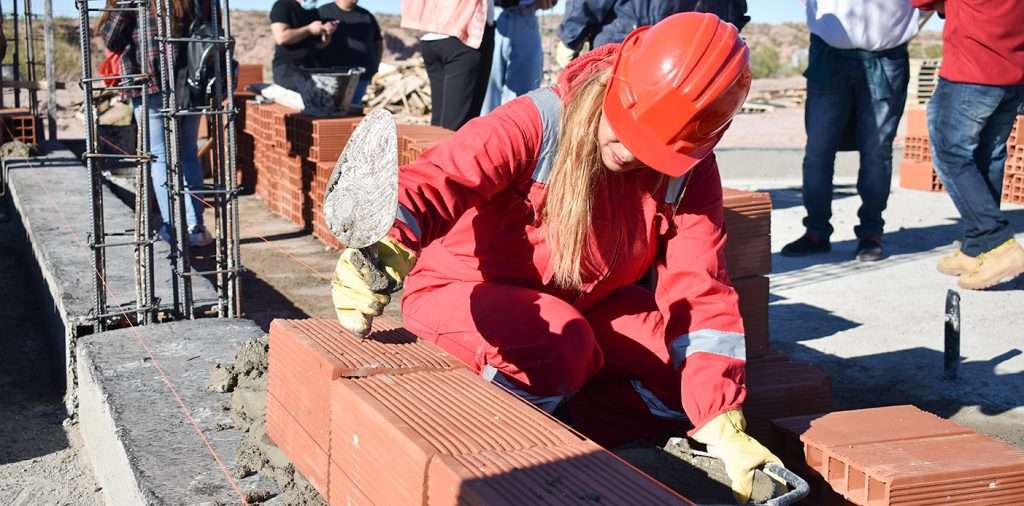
(199, 80)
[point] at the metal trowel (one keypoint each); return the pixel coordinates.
(361, 198)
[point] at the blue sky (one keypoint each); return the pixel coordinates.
(762, 11)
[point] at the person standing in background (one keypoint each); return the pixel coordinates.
(518, 64)
(857, 76)
(600, 22)
(298, 33)
(457, 50)
(356, 42)
(979, 95)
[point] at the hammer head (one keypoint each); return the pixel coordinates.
(361, 200)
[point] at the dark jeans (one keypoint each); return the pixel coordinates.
(857, 95)
(458, 78)
(968, 125)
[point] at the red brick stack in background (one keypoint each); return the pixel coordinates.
(251, 73)
(413, 140)
(393, 420)
(19, 125)
(900, 455)
(1013, 177)
(917, 171)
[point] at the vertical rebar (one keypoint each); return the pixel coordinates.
(231, 215)
(50, 70)
(95, 185)
(15, 71)
(30, 59)
(951, 348)
(144, 294)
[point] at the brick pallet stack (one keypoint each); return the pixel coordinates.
(414, 140)
(319, 141)
(899, 455)
(19, 125)
(1013, 177)
(394, 420)
(918, 173)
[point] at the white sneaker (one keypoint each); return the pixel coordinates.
(199, 237)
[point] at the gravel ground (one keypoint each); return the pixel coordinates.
(42, 461)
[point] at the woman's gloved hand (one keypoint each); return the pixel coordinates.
(725, 437)
(362, 286)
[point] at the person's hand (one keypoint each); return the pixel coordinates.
(362, 286)
(725, 437)
(315, 28)
(940, 7)
(564, 55)
(330, 27)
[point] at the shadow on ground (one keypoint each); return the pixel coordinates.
(912, 375)
(31, 406)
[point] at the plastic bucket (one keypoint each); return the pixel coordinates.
(331, 89)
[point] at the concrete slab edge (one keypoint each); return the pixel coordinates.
(106, 450)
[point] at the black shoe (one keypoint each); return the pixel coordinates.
(806, 245)
(869, 250)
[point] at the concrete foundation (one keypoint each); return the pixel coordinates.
(144, 448)
(50, 197)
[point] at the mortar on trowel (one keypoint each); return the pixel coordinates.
(361, 199)
(701, 477)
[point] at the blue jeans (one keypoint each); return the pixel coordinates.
(188, 133)
(853, 96)
(968, 125)
(518, 64)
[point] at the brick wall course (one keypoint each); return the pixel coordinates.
(748, 225)
(753, 294)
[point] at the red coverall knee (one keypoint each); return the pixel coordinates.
(543, 349)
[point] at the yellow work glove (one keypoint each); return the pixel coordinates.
(564, 54)
(362, 286)
(725, 437)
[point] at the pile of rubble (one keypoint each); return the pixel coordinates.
(402, 88)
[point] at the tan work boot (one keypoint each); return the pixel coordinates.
(1004, 262)
(958, 263)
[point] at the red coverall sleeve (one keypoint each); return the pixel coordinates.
(477, 162)
(703, 328)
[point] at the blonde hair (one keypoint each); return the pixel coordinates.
(578, 171)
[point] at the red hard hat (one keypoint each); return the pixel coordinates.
(675, 87)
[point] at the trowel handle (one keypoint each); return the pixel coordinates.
(799, 486)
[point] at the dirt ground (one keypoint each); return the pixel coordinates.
(42, 461)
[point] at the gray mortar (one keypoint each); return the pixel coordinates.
(143, 450)
(246, 379)
(50, 196)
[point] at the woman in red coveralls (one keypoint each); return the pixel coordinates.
(525, 234)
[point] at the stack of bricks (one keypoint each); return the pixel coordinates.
(245, 143)
(248, 74)
(749, 257)
(319, 142)
(414, 140)
(918, 173)
(899, 455)
(394, 420)
(1013, 176)
(19, 125)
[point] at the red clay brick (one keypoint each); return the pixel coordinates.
(343, 491)
(779, 387)
(248, 74)
(468, 442)
(309, 457)
(748, 225)
(306, 355)
(753, 293)
(565, 475)
(919, 176)
(917, 122)
(902, 455)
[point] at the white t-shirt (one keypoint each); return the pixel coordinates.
(439, 36)
(875, 25)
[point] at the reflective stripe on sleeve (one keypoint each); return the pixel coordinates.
(727, 344)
